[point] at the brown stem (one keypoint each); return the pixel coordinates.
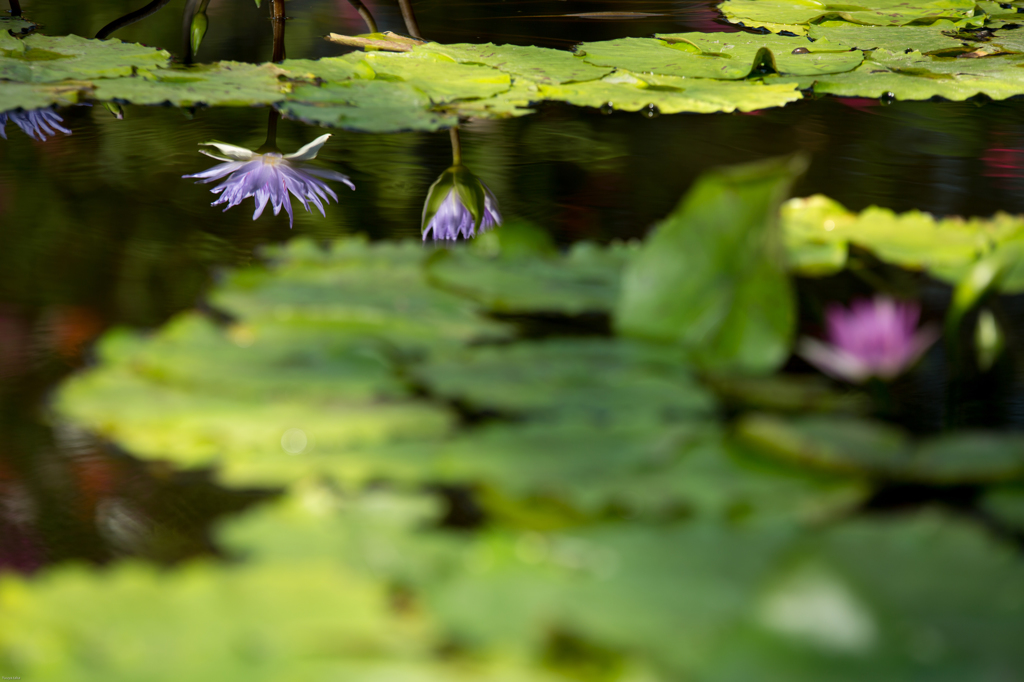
(15, 8)
(271, 144)
(371, 25)
(278, 18)
(120, 22)
(410, 19)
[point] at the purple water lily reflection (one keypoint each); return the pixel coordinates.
(270, 177)
(873, 338)
(453, 219)
(39, 124)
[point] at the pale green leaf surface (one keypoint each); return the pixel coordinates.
(538, 64)
(892, 38)
(50, 59)
(30, 96)
(876, 12)
(441, 78)
(221, 84)
(820, 56)
(371, 106)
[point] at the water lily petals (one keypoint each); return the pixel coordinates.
(309, 151)
(230, 151)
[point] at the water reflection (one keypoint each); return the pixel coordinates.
(458, 204)
(39, 124)
(268, 176)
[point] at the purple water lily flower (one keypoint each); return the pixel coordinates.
(268, 178)
(39, 124)
(459, 205)
(873, 338)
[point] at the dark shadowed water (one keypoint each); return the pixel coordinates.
(99, 229)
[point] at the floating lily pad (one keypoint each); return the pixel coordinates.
(441, 78)
(584, 280)
(17, 25)
(47, 59)
(851, 445)
(552, 380)
(915, 76)
(538, 64)
(371, 106)
(628, 92)
(892, 38)
(893, 613)
(725, 56)
(221, 84)
(37, 95)
(876, 12)
(332, 69)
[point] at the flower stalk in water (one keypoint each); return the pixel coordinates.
(873, 339)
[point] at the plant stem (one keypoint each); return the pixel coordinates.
(456, 147)
(120, 22)
(271, 144)
(278, 18)
(15, 8)
(410, 19)
(371, 24)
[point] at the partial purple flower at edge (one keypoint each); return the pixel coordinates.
(873, 338)
(268, 178)
(455, 204)
(39, 124)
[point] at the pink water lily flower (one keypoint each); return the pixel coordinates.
(269, 177)
(876, 337)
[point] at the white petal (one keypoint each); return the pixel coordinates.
(229, 150)
(309, 151)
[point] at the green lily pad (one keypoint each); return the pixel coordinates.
(851, 445)
(755, 13)
(895, 39)
(17, 25)
(725, 56)
(37, 95)
(333, 69)
(818, 229)
(671, 95)
(584, 280)
(47, 59)
(221, 84)
(551, 380)
(537, 64)
(921, 598)
(441, 78)
(712, 270)
(915, 76)
(371, 106)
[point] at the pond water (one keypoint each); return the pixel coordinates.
(98, 228)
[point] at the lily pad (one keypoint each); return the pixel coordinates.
(29, 96)
(855, 446)
(584, 280)
(371, 106)
(441, 78)
(552, 380)
(333, 69)
(48, 59)
(914, 76)
(537, 64)
(895, 39)
(755, 13)
(671, 95)
(17, 25)
(221, 84)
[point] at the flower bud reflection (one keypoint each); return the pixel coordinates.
(459, 204)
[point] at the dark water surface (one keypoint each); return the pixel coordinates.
(99, 229)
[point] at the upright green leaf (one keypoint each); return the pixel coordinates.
(710, 276)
